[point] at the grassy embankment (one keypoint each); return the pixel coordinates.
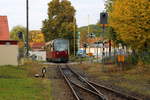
(18, 83)
(134, 79)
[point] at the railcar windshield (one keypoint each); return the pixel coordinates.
(61, 45)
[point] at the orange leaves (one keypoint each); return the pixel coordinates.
(131, 21)
(36, 37)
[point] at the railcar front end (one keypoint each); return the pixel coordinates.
(58, 51)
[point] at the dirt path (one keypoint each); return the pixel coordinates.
(60, 90)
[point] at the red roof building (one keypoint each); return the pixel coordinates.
(4, 30)
(37, 46)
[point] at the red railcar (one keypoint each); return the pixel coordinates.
(57, 50)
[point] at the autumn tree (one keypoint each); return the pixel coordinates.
(110, 32)
(36, 36)
(131, 20)
(60, 22)
(108, 5)
(15, 30)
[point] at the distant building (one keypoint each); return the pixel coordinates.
(95, 46)
(91, 41)
(4, 30)
(37, 46)
(37, 51)
(8, 48)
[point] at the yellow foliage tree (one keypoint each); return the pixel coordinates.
(131, 21)
(36, 36)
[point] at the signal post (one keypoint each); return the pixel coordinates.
(103, 22)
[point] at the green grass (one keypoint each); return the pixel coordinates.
(15, 84)
(12, 72)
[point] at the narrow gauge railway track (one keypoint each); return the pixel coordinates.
(109, 93)
(81, 88)
(104, 93)
(116, 94)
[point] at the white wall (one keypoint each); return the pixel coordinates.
(8, 54)
(41, 55)
(98, 51)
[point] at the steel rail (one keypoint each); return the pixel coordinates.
(78, 75)
(114, 91)
(69, 82)
(86, 89)
(66, 79)
(90, 83)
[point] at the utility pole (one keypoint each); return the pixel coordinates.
(74, 29)
(78, 40)
(88, 24)
(27, 25)
(89, 30)
(103, 53)
(103, 21)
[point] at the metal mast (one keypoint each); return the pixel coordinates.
(27, 29)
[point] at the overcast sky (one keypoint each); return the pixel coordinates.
(16, 12)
